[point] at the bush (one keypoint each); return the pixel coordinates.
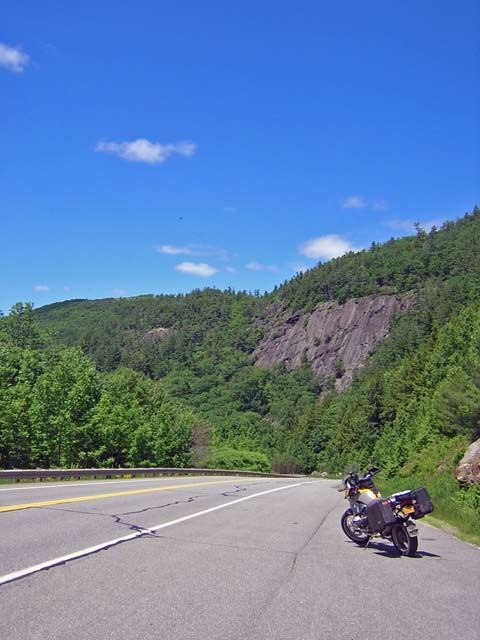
(238, 459)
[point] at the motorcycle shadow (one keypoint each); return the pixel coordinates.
(388, 551)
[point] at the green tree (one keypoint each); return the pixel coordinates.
(20, 328)
(62, 400)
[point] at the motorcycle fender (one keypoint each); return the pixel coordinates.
(412, 528)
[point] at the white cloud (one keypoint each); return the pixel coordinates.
(298, 267)
(119, 292)
(12, 58)
(175, 251)
(254, 266)
(428, 224)
(258, 266)
(41, 287)
(399, 224)
(194, 250)
(49, 47)
(407, 224)
(187, 250)
(196, 269)
(357, 202)
(326, 247)
(143, 150)
(353, 202)
(380, 205)
(230, 269)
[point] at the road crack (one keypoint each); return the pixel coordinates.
(119, 517)
(281, 587)
(307, 542)
(238, 489)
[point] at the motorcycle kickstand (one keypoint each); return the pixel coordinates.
(368, 541)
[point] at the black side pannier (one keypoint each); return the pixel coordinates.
(421, 502)
(379, 514)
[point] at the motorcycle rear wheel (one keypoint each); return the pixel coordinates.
(351, 531)
(405, 543)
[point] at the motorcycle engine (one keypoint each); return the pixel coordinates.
(361, 521)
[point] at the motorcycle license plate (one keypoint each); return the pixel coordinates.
(408, 509)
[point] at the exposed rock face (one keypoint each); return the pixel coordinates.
(159, 332)
(335, 339)
(468, 471)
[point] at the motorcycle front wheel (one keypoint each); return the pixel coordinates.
(351, 530)
(405, 543)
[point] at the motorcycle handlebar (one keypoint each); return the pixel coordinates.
(354, 478)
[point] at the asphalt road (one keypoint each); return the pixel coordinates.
(228, 558)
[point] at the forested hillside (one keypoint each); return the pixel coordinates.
(159, 379)
(396, 266)
(57, 410)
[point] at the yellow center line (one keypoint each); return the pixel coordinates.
(101, 496)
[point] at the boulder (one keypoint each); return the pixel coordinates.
(468, 471)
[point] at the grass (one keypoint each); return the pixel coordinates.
(452, 512)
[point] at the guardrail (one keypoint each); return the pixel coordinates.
(41, 474)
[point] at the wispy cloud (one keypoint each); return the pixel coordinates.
(231, 269)
(298, 267)
(353, 202)
(258, 266)
(407, 224)
(358, 202)
(194, 250)
(326, 247)
(428, 224)
(41, 287)
(399, 224)
(380, 205)
(142, 150)
(119, 292)
(13, 58)
(49, 47)
(196, 269)
(176, 251)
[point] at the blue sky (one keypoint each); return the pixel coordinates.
(156, 147)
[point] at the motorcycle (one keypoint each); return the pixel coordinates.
(392, 518)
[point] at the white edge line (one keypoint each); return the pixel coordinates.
(16, 575)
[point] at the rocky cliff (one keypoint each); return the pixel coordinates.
(158, 333)
(336, 339)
